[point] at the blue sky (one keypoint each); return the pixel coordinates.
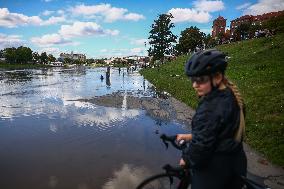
(110, 28)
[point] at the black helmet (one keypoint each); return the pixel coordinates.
(205, 63)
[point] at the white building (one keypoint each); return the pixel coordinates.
(80, 57)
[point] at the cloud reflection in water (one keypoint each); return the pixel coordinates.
(127, 177)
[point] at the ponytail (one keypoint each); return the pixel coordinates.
(241, 129)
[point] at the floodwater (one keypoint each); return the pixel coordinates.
(50, 139)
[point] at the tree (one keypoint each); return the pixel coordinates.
(100, 61)
(24, 55)
(212, 43)
(206, 40)
(2, 53)
(254, 28)
(67, 60)
(90, 61)
(190, 39)
(51, 58)
(43, 58)
(36, 57)
(275, 24)
(161, 38)
(242, 30)
(10, 55)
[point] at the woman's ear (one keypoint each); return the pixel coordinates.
(217, 79)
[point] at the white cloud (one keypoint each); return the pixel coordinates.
(243, 6)
(49, 40)
(10, 41)
(189, 15)
(50, 50)
(84, 29)
(206, 30)
(137, 51)
(12, 20)
(54, 20)
(200, 13)
(139, 41)
(66, 32)
(47, 13)
(106, 11)
(103, 50)
(208, 6)
(60, 12)
(107, 53)
(133, 16)
(264, 6)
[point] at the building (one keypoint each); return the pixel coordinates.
(253, 20)
(72, 56)
(219, 26)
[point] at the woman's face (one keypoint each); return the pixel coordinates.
(201, 85)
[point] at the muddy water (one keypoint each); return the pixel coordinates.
(67, 128)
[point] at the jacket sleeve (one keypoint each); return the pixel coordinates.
(204, 136)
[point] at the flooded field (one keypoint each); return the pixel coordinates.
(67, 128)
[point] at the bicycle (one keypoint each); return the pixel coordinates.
(173, 177)
(180, 177)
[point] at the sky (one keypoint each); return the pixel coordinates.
(114, 28)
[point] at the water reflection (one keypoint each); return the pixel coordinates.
(128, 176)
(105, 117)
(108, 82)
(50, 139)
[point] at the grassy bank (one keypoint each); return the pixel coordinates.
(21, 66)
(257, 68)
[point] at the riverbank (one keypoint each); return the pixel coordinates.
(256, 66)
(22, 66)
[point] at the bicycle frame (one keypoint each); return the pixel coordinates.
(181, 173)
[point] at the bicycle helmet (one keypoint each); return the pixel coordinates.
(206, 62)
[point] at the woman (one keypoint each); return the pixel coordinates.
(215, 153)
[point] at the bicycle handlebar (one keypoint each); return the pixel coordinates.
(180, 145)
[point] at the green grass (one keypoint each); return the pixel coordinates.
(257, 68)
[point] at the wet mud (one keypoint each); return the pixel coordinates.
(165, 109)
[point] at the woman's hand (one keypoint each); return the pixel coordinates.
(186, 137)
(181, 162)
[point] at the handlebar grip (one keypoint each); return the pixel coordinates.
(168, 138)
(172, 139)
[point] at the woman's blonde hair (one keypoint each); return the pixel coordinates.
(241, 129)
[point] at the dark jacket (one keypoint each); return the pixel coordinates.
(213, 128)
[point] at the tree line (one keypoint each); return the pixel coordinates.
(164, 43)
(24, 55)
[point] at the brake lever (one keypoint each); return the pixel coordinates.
(164, 140)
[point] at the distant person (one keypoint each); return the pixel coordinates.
(215, 153)
(119, 70)
(108, 72)
(102, 77)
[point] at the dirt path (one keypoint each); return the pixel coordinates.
(168, 108)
